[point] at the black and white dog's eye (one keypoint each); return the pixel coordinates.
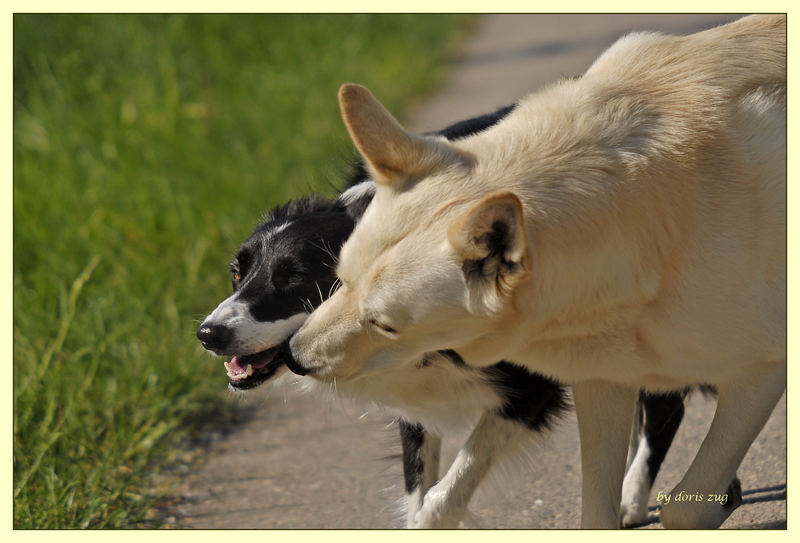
(386, 328)
(236, 275)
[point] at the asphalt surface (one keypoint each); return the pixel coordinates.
(304, 462)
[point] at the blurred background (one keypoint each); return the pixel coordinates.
(146, 148)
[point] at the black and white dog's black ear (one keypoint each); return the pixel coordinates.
(356, 198)
(491, 242)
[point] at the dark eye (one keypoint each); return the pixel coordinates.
(386, 328)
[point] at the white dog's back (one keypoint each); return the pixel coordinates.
(695, 234)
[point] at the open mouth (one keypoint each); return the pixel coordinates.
(249, 371)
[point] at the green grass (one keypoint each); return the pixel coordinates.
(145, 149)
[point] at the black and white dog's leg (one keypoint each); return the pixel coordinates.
(445, 504)
(421, 452)
(655, 425)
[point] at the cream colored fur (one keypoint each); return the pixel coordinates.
(624, 229)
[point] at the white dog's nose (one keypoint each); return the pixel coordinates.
(291, 359)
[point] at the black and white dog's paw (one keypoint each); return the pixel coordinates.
(633, 509)
(437, 513)
(632, 514)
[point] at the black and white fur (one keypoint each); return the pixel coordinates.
(286, 267)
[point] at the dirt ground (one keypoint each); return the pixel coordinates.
(302, 462)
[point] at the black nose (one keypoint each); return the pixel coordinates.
(215, 337)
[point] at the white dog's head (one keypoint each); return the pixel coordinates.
(433, 264)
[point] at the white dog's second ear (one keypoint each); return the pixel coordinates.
(391, 152)
(491, 241)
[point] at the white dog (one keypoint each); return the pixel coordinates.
(621, 230)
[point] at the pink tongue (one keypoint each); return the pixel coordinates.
(234, 366)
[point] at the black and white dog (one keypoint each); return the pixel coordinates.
(286, 267)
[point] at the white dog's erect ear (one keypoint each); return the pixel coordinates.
(490, 238)
(390, 151)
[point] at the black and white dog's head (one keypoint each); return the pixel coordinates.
(283, 270)
(287, 267)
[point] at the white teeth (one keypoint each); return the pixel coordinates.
(239, 376)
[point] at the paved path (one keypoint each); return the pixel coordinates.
(304, 462)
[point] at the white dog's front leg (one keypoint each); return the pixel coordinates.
(445, 505)
(605, 415)
(743, 408)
